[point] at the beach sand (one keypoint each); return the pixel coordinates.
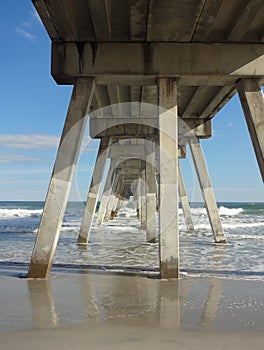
(76, 309)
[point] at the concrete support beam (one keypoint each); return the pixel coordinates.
(126, 151)
(207, 190)
(150, 173)
(61, 179)
(93, 194)
(106, 193)
(252, 101)
(168, 183)
(110, 127)
(184, 202)
(225, 62)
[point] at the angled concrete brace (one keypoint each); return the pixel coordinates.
(252, 101)
(93, 193)
(150, 173)
(61, 179)
(168, 184)
(106, 192)
(184, 202)
(111, 200)
(116, 198)
(207, 190)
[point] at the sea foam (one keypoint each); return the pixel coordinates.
(19, 213)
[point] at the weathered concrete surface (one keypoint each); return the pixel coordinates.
(111, 126)
(252, 101)
(168, 183)
(60, 184)
(195, 63)
(207, 190)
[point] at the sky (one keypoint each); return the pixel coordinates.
(33, 110)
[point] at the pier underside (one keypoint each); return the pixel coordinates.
(151, 76)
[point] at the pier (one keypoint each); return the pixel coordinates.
(148, 77)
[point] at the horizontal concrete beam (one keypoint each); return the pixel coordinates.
(110, 127)
(132, 163)
(126, 151)
(126, 171)
(194, 63)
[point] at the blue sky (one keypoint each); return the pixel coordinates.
(33, 110)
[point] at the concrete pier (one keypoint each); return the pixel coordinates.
(148, 72)
(61, 179)
(207, 190)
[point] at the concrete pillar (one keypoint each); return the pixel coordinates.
(106, 193)
(120, 196)
(116, 199)
(111, 200)
(143, 208)
(184, 202)
(61, 179)
(252, 101)
(93, 194)
(168, 166)
(137, 198)
(109, 209)
(207, 190)
(150, 172)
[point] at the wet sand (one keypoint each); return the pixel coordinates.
(83, 309)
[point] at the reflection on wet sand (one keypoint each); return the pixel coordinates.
(167, 304)
(42, 304)
(212, 302)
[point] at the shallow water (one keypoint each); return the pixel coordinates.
(121, 244)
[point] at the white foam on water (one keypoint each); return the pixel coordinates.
(121, 242)
(243, 225)
(230, 211)
(242, 236)
(19, 213)
(224, 211)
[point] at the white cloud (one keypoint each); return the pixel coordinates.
(29, 141)
(25, 28)
(17, 158)
(35, 15)
(26, 24)
(25, 34)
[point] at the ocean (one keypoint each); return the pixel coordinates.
(121, 244)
